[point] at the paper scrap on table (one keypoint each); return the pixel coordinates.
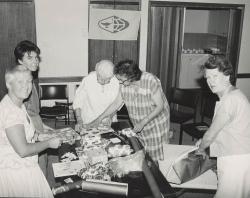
(62, 169)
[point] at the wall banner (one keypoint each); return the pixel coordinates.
(108, 24)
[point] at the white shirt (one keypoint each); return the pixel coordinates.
(93, 98)
(234, 137)
(11, 115)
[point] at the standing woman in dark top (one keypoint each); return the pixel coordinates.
(27, 55)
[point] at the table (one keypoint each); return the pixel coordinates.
(137, 182)
(206, 181)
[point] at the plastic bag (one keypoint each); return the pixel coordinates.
(189, 166)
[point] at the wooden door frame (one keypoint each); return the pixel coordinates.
(8, 1)
(239, 43)
(196, 5)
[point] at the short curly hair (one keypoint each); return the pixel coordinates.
(25, 47)
(222, 64)
(12, 71)
(128, 68)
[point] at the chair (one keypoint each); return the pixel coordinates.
(70, 111)
(197, 129)
(60, 111)
(183, 105)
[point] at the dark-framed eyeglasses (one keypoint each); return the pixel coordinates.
(124, 81)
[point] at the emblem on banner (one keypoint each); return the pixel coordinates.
(109, 24)
(113, 24)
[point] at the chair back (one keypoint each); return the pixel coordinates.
(185, 97)
(60, 109)
(183, 104)
(53, 92)
(208, 104)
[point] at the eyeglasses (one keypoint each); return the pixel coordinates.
(123, 81)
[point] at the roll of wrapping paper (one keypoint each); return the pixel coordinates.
(114, 188)
(66, 187)
(147, 172)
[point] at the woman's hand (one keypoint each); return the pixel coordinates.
(43, 136)
(138, 127)
(197, 144)
(55, 142)
(46, 128)
(79, 126)
(201, 152)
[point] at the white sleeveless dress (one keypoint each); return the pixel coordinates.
(19, 177)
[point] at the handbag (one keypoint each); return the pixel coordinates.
(189, 166)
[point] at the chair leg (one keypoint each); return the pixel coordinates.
(75, 121)
(181, 134)
(68, 118)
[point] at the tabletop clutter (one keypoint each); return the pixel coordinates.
(96, 158)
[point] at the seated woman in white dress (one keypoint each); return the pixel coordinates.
(20, 174)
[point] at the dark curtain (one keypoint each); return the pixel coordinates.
(164, 44)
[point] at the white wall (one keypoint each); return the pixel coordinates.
(62, 35)
(243, 84)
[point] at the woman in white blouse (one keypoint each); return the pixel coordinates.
(229, 133)
(20, 174)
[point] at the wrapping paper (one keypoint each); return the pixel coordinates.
(113, 188)
(189, 166)
(146, 170)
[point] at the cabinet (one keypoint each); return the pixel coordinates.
(17, 22)
(109, 49)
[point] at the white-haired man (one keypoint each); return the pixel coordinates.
(97, 91)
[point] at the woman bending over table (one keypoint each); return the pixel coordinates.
(20, 174)
(147, 106)
(229, 133)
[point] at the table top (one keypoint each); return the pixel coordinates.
(206, 181)
(138, 185)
